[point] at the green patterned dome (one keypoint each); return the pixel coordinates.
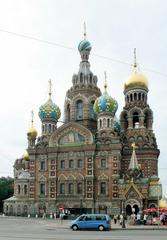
(49, 110)
(84, 45)
(105, 103)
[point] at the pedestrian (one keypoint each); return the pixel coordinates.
(121, 219)
(145, 219)
(115, 218)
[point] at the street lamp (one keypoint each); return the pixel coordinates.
(123, 214)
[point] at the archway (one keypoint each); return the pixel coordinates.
(136, 208)
(128, 210)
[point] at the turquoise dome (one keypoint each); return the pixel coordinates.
(105, 103)
(84, 45)
(49, 110)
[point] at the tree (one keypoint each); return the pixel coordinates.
(6, 189)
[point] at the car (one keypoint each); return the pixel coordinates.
(100, 222)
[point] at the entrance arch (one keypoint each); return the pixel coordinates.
(132, 205)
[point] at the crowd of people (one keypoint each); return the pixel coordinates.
(137, 219)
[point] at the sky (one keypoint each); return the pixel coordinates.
(38, 42)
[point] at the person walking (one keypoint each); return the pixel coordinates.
(115, 218)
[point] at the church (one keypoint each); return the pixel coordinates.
(94, 162)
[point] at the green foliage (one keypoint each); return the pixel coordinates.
(6, 189)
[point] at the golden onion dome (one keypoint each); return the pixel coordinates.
(136, 80)
(32, 132)
(162, 203)
(26, 156)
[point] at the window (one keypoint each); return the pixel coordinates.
(18, 189)
(42, 165)
(62, 164)
(103, 163)
(92, 113)
(62, 188)
(80, 163)
(49, 128)
(79, 110)
(135, 120)
(42, 188)
(79, 188)
(25, 189)
(103, 188)
(70, 188)
(71, 163)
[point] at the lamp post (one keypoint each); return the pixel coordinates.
(123, 214)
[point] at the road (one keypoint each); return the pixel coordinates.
(38, 229)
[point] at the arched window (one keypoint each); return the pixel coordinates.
(143, 96)
(68, 112)
(81, 77)
(79, 188)
(92, 113)
(103, 188)
(18, 189)
(25, 189)
(62, 188)
(135, 96)
(79, 110)
(135, 120)
(49, 128)
(139, 97)
(108, 122)
(131, 97)
(100, 123)
(70, 188)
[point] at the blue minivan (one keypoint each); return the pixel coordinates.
(92, 221)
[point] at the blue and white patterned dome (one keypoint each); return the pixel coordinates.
(105, 103)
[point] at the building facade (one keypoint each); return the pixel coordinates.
(93, 162)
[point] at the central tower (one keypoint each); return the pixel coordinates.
(81, 96)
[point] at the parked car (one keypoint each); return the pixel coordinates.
(100, 222)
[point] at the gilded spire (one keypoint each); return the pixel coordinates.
(50, 88)
(32, 118)
(105, 82)
(85, 30)
(135, 62)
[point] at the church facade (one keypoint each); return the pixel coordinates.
(93, 162)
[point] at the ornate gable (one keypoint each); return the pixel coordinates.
(133, 192)
(71, 134)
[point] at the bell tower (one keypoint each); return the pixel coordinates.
(136, 121)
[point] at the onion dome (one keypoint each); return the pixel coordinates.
(49, 110)
(84, 45)
(26, 156)
(105, 103)
(136, 79)
(32, 132)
